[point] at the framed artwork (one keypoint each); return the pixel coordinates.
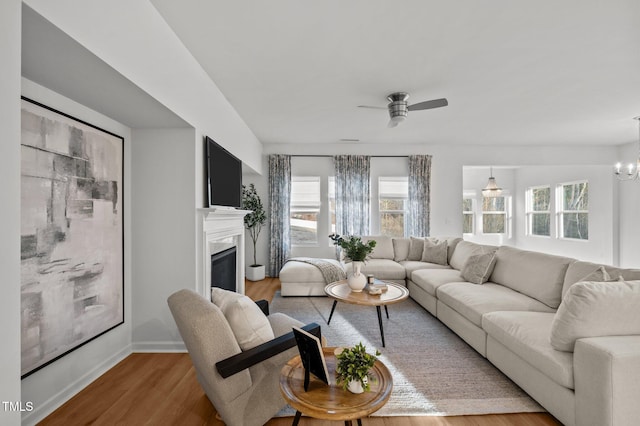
(72, 234)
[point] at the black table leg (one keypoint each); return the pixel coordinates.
(359, 422)
(296, 419)
(335, 302)
(380, 323)
(386, 311)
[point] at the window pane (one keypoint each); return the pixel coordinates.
(493, 204)
(391, 204)
(392, 224)
(304, 228)
(467, 204)
(576, 196)
(575, 225)
(541, 199)
(493, 223)
(467, 223)
(541, 224)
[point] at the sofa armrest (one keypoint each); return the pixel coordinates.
(236, 363)
(606, 372)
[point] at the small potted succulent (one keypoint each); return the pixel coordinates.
(353, 365)
(254, 222)
(357, 251)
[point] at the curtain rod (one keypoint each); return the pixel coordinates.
(331, 156)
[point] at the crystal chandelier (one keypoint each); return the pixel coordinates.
(492, 189)
(631, 171)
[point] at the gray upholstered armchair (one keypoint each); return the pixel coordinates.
(242, 386)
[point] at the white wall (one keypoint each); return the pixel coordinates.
(133, 38)
(54, 384)
(629, 193)
(163, 233)
(447, 164)
(603, 221)
(10, 19)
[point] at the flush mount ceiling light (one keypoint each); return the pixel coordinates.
(632, 171)
(492, 189)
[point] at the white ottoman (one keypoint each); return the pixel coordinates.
(303, 279)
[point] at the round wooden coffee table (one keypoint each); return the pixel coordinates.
(340, 291)
(331, 402)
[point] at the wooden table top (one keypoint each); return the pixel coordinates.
(331, 402)
(340, 290)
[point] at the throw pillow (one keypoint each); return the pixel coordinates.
(434, 252)
(249, 324)
(593, 309)
(599, 274)
(416, 248)
(401, 247)
(479, 267)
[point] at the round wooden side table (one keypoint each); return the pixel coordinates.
(340, 291)
(331, 402)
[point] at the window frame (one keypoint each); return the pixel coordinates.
(315, 209)
(530, 212)
(473, 197)
(560, 210)
(405, 202)
(504, 212)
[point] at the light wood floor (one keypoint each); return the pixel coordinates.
(161, 389)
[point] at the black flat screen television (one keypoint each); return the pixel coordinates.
(224, 176)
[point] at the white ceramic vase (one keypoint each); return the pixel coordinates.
(356, 280)
(354, 386)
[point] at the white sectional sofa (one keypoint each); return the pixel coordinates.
(530, 305)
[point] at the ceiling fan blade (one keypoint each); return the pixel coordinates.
(371, 107)
(435, 103)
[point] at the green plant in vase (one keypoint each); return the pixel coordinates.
(253, 222)
(357, 251)
(353, 366)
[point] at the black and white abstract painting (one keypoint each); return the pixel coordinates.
(72, 272)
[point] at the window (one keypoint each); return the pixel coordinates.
(393, 193)
(305, 207)
(573, 213)
(494, 215)
(468, 214)
(539, 211)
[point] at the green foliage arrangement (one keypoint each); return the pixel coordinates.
(256, 219)
(354, 248)
(354, 364)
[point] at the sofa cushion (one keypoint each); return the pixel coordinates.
(594, 309)
(383, 248)
(578, 271)
(472, 301)
(249, 324)
(383, 269)
(412, 265)
(452, 242)
(527, 335)
(430, 279)
(464, 250)
(401, 249)
(302, 272)
(435, 252)
(479, 267)
(416, 248)
(535, 274)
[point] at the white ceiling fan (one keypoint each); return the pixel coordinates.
(399, 107)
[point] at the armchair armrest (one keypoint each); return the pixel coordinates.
(263, 305)
(236, 363)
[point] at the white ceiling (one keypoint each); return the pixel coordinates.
(543, 72)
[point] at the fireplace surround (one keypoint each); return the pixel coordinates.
(220, 229)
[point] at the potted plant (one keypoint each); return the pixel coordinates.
(253, 222)
(353, 365)
(357, 251)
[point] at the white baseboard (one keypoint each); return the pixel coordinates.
(53, 403)
(150, 347)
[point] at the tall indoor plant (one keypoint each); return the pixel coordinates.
(253, 222)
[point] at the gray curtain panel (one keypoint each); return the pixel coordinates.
(279, 201)
(353, 197)
(419, 202)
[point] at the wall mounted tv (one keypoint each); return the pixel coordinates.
(224, 176)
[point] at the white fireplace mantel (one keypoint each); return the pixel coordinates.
(220, 228)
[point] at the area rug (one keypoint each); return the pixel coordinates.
(434, 371)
